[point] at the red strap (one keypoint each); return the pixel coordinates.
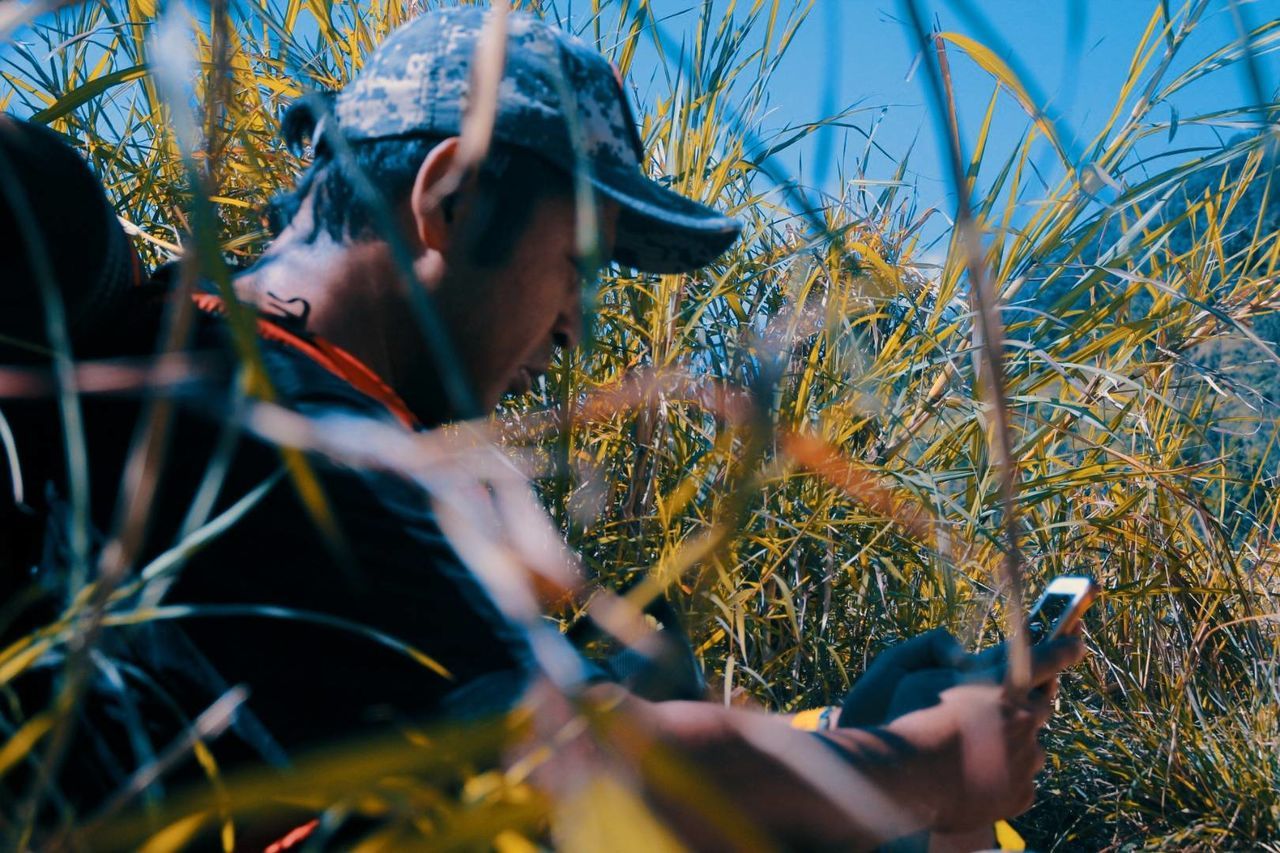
(332, 358)
(293, 836)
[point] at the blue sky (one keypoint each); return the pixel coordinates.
(858, 52)
(1075, 53)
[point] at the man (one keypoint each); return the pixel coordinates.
(488, 252)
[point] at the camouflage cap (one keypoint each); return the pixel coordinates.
(557, 97)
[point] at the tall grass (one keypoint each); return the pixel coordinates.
(792, 444)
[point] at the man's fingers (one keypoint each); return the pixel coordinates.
(1037, 759)
(1041, 711)
(1031, 713)
(1049, 659)
(1037, 708)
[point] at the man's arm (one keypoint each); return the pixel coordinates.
(963, 763)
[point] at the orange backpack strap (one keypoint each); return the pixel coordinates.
(331, 357)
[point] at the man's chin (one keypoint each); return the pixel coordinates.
(522, 382)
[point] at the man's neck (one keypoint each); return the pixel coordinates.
(351, 295)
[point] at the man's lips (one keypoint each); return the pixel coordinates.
(524, 380)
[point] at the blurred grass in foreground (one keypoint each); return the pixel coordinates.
(868, 509)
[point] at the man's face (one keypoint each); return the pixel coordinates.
(508, 319)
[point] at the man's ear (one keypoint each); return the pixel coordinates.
(438, 178)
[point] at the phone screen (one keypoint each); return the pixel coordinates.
(1054, 606)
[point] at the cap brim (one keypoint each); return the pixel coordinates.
(661, 231)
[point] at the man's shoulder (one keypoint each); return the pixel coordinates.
(296, 374)
(299, 382)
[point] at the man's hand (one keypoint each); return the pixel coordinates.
(922, 689)
(956, 766)
(913, 675)
(979, 754)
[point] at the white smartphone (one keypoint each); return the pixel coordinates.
(1059, 610)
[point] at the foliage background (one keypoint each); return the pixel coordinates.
(860, 503)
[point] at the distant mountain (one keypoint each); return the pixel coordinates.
(1260, 199)
(1240, 377)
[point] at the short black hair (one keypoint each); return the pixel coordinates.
(510, 182)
